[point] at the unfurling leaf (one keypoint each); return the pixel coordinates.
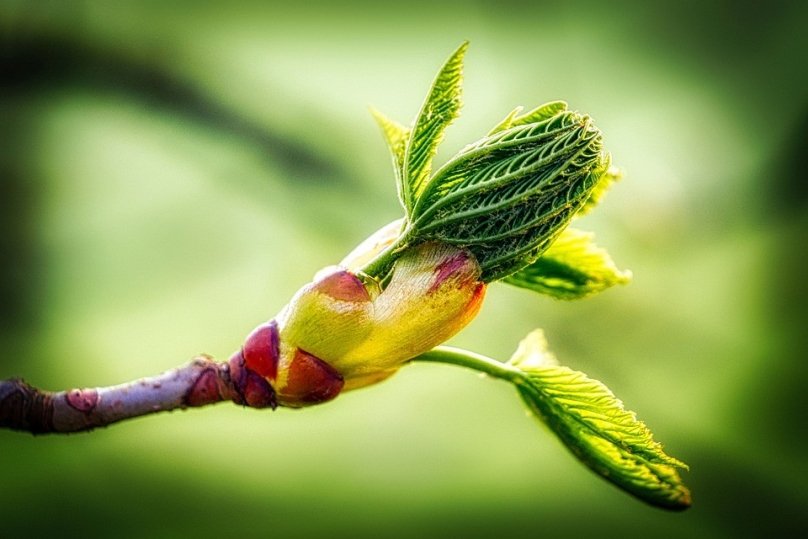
(441, 107)
(533, 352)
(506, 122)
(595, 426)
(507, 197)
(539, 114)
(573, 267)
(396, 136)
(606, 180)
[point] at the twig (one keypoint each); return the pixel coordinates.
(201, 382)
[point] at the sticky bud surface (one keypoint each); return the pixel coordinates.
(339, 333)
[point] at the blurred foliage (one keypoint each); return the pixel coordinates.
(170, 173)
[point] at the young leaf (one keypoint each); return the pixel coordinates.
(506, 122)
(573, 267)
(533, 352)
(611, 175)
(539, 114)
(508, 196)
(586, 416)
(441, 107)
(595, 426)
(396, 136)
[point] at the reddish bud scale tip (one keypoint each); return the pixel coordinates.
(453, 267)
(261, 350)
(476, 300)
(257, 392)
(253, 390)
(344, 286)
(311, 380)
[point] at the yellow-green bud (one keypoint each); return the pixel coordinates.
(340, 332)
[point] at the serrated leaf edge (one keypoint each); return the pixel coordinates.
(442, 106)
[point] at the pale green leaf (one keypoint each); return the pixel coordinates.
(533, 351)
(611, 175)
(596, 427)
(508, 196)
(441, 107)
(573, 267)
(539, 114)
(506, 122)
(396, 136)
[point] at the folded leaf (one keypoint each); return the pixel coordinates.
(539, 114)
(611, 175)
(508, 196)
(396, 136)
(595, 426)
(572, 267)
(441, 107)
(506, 122)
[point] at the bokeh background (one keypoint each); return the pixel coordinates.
(171, 172)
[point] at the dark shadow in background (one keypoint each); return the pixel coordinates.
(787, 290)
(788, 198)
(20, 251)
(738, 497)
(32, 64)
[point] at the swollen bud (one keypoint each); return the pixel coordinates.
(340, 332)
(434, 292)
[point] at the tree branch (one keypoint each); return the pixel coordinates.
(201, 382)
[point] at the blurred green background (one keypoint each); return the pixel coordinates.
(170, 173)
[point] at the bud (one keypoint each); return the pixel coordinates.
(489, 212)
(340, 332)
(434, 292)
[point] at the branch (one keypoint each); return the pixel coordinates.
(201, 382)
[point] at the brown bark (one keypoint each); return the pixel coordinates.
(201, 382)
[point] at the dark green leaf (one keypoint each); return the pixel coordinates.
(508, 196)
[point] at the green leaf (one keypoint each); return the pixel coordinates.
(508, 196)
(586, 416)
(539, 114)
(573, 267)
(441, 107)
(595, 426)
(506, 122)
(611, 175)
(533, 352)
(505, 198)
(396, 136)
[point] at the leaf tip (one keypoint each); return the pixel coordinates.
(533, 351)
(680, 500)
(685, 499)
